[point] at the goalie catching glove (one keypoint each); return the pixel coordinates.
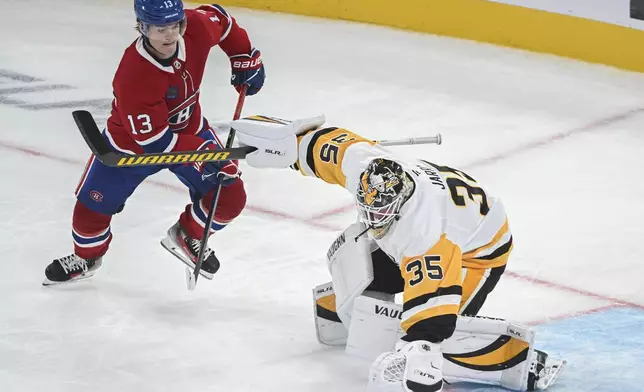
(275, 139)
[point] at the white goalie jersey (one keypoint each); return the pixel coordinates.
(448, 223)
(451, 242)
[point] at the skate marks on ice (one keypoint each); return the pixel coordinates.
(165, 342)
(604, 350)
(26, 87)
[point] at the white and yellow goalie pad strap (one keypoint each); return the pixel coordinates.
(481, 350)
(320, 153)
(432, 284)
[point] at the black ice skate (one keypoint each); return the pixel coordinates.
(70, 269)
(186, 249)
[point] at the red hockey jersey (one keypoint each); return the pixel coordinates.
(156, 108)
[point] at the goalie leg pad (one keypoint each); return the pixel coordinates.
(349, 261)
(489, 351)
(375, 327)
(329, 329)
(328, 326)
(481, 350)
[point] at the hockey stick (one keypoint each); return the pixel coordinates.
(97, 143)
(191, 276)
(438, 139)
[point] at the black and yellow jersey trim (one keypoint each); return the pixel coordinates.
(432, 293)
(321, 151)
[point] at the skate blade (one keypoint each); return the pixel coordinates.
(552, 369)
(191, 281)
(78, 278)
(179, 255)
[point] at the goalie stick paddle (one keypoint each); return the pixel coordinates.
(191, 276)
(97, 143)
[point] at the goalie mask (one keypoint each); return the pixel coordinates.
(384, 188)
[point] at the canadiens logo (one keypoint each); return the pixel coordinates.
(96, 196)
(179, 117)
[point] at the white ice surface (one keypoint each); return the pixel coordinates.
(557, 140)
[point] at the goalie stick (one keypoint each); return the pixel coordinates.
(438, 139)
(94, 139)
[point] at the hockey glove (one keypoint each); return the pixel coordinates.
(416, 366)
(224, 172)
(248, 69)
(276, 143)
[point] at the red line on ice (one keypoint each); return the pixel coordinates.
(314, 221)
(573, 290)
(574, 314)
(259, 210)
(592, 126)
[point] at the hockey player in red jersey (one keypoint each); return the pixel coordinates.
(156, 109)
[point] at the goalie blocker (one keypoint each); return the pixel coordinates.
(481, 350)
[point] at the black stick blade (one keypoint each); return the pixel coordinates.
(97, 143)
(92, 135)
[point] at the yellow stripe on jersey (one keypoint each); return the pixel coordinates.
(432, 283)
(470, 261)
(499, 234)
(325, 149)
(495, 262)
(501, 354)
(471, 283)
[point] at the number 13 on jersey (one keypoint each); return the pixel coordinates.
(141, 124)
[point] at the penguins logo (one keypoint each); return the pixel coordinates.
(375, 185)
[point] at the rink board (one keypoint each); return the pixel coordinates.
(483, 21)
